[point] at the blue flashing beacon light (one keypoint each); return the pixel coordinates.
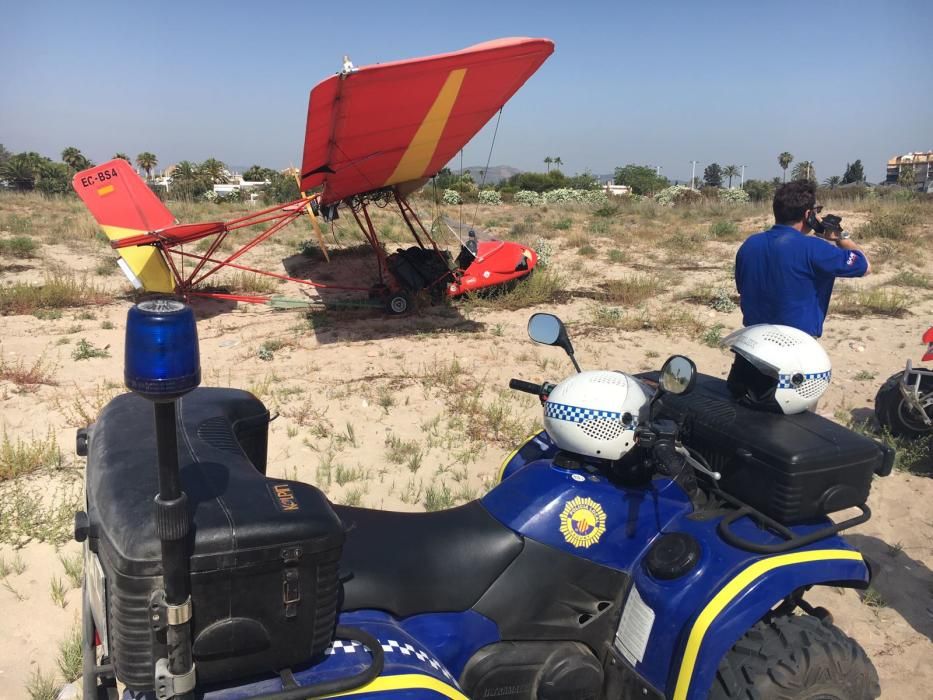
(162, 361)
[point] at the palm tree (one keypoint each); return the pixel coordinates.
(558, 162)
(730, 171)
(19, 172)
(784, 160)
(120, 154)
(547, 161)
(214, 170)
(147, 161)
(832, 181)
(804, 170)
(74, 159)
(905, 175)
(185, 178)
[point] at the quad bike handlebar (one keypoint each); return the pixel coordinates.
(527, 387)
(539, 390)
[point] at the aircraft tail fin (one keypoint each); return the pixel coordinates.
(123, 205)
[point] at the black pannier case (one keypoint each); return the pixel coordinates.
(793, 468)
(264, 580)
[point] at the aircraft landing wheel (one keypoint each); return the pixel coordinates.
(398, 303)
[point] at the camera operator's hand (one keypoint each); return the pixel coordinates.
(832, 228)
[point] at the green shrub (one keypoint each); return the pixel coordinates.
(491, 197)
(734, 196)
(890, 225)
(724, 229)
(18, 247)
(86, 351)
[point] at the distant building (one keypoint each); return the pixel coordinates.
(237, 184)
(617, 189)
(922, 164)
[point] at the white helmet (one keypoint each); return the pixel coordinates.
(777, 368)
(595, 413)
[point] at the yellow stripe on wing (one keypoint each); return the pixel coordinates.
(732, 590)
(420, 151)
(406, 681)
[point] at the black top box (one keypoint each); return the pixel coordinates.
(793, 468)
(265, 551)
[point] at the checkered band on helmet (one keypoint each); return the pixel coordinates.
(575, 414)
(599, 425)
(594, 413)
(805, 384)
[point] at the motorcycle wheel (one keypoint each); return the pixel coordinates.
(895, 414)
(796, 657)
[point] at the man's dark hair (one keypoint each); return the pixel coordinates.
(792, 200)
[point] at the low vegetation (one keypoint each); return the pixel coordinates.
(58, 291)
(18, 247)
(909, 278)
(878, 301)
(545, 286)
(630, 290)
(19, 457)
(27, 375)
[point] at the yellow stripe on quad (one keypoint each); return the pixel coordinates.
(406, 681)
(732, 590)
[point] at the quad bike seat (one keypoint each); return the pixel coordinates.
(408, 563)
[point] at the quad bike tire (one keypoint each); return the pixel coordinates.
(895, 414)
(795, 657)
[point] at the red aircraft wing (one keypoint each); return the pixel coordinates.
(403, 121)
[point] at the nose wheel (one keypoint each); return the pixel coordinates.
(398, 303)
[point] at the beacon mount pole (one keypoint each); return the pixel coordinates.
(162, 363)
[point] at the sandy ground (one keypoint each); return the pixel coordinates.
(368, 409)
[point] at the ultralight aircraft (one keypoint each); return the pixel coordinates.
(374, 135)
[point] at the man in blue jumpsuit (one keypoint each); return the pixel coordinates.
(785, 276)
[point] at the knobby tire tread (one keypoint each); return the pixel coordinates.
(795, 657)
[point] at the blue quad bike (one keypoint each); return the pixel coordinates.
(679, 571)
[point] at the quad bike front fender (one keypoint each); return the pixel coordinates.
(721, 620)
(534, 447)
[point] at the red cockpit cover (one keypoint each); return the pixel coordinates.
(403, 121)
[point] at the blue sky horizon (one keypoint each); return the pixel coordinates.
(660, 85)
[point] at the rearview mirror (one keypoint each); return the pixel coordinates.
(547, 329)
(678, 375)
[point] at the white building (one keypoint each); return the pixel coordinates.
(617, 189)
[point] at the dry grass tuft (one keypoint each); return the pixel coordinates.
(18, 247)
(248, 283)
(908, 278)
(57, 292)
(870, 302)
(28, 376)
(27, 456)
(630, 290)
(543, 286)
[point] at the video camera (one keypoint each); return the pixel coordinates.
(828, 225)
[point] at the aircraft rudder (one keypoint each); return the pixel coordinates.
(123, 205)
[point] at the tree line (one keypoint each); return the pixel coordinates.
(645, 180)
(30, 171)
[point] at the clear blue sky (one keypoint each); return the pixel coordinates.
(658, 83)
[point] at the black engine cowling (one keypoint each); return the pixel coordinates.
(532, 671)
